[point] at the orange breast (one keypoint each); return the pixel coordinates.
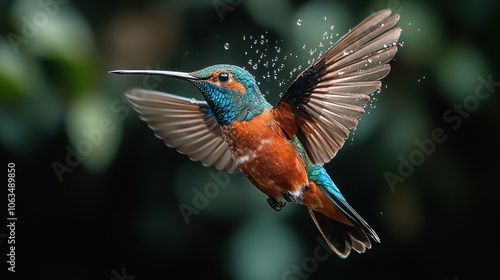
(265, 155)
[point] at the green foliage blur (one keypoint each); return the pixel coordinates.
(100, 197)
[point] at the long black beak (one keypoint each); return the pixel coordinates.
(171, 74)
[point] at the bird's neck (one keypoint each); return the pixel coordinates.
(240, 108)
(251, 107)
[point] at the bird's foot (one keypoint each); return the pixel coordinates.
(276, 205)
(288, 196)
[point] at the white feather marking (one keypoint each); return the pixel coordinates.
(298, 193)
(243, 159)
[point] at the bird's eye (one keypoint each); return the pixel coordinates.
(223, 77)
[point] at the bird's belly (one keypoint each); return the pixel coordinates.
(263, 153)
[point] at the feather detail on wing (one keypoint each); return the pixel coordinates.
(184, 124)
(328, 98)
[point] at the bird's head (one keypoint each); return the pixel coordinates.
(230, 91)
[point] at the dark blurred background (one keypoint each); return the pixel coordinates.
(98, 196)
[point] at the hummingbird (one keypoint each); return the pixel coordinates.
(282, 149)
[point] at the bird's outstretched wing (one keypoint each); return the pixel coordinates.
(327, 99)
(184, 124)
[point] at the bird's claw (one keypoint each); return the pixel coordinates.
(288, 196)
(276, 205)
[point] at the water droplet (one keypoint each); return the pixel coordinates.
(255, 66)
(226, 46)
(325, 17)
(332, 27)
(299, 22)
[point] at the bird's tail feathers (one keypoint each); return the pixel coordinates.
(343, 238)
